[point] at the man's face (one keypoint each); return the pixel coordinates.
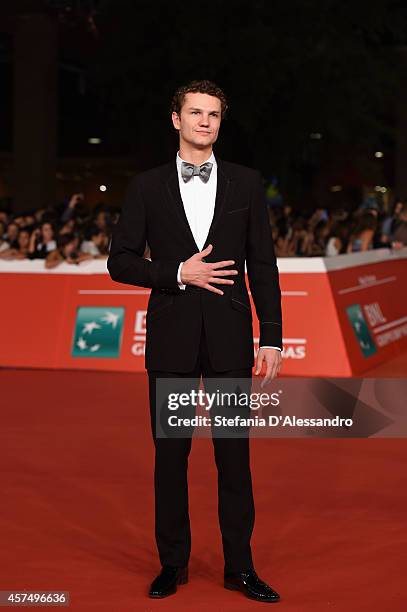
(47, 232)
(23, 239)
(199, 120)
(12, 231)
(101, 219)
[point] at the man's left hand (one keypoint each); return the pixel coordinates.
(272, 358)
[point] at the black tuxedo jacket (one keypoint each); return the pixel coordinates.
(153, 212)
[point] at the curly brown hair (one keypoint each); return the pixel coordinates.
(205, 87)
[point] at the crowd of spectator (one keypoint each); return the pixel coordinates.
(69, 233)
(72, 233)
(326, 233)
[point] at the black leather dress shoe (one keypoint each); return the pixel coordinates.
(251, 585)
(166, 582)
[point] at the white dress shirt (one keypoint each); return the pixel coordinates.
(199, 205)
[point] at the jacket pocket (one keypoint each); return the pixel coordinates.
(238, 304)
(229, 212)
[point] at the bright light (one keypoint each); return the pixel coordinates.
(379, 154)
(380, 188)
(94, 140)
(315, 136)
(102, 187)
(336, 188)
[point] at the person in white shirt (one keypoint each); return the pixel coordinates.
(203, 219)
(94, 243)
(199, 204)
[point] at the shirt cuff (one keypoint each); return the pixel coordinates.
(180, 284)
(274, 347)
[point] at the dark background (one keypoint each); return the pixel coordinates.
(315, 89)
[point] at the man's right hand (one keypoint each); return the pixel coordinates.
(195, 271)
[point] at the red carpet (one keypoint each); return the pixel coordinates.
(77, 504)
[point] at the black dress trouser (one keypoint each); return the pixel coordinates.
(235, 495)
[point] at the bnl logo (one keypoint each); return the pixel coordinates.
(98, 332)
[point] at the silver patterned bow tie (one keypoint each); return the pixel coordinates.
(189, 170)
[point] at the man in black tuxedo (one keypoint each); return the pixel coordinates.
(202, 219)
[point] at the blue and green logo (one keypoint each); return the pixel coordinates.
(98, 332)
(362, 333)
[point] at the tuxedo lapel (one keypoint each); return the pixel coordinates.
(174, 201)
(173, 198)
(223, 193)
